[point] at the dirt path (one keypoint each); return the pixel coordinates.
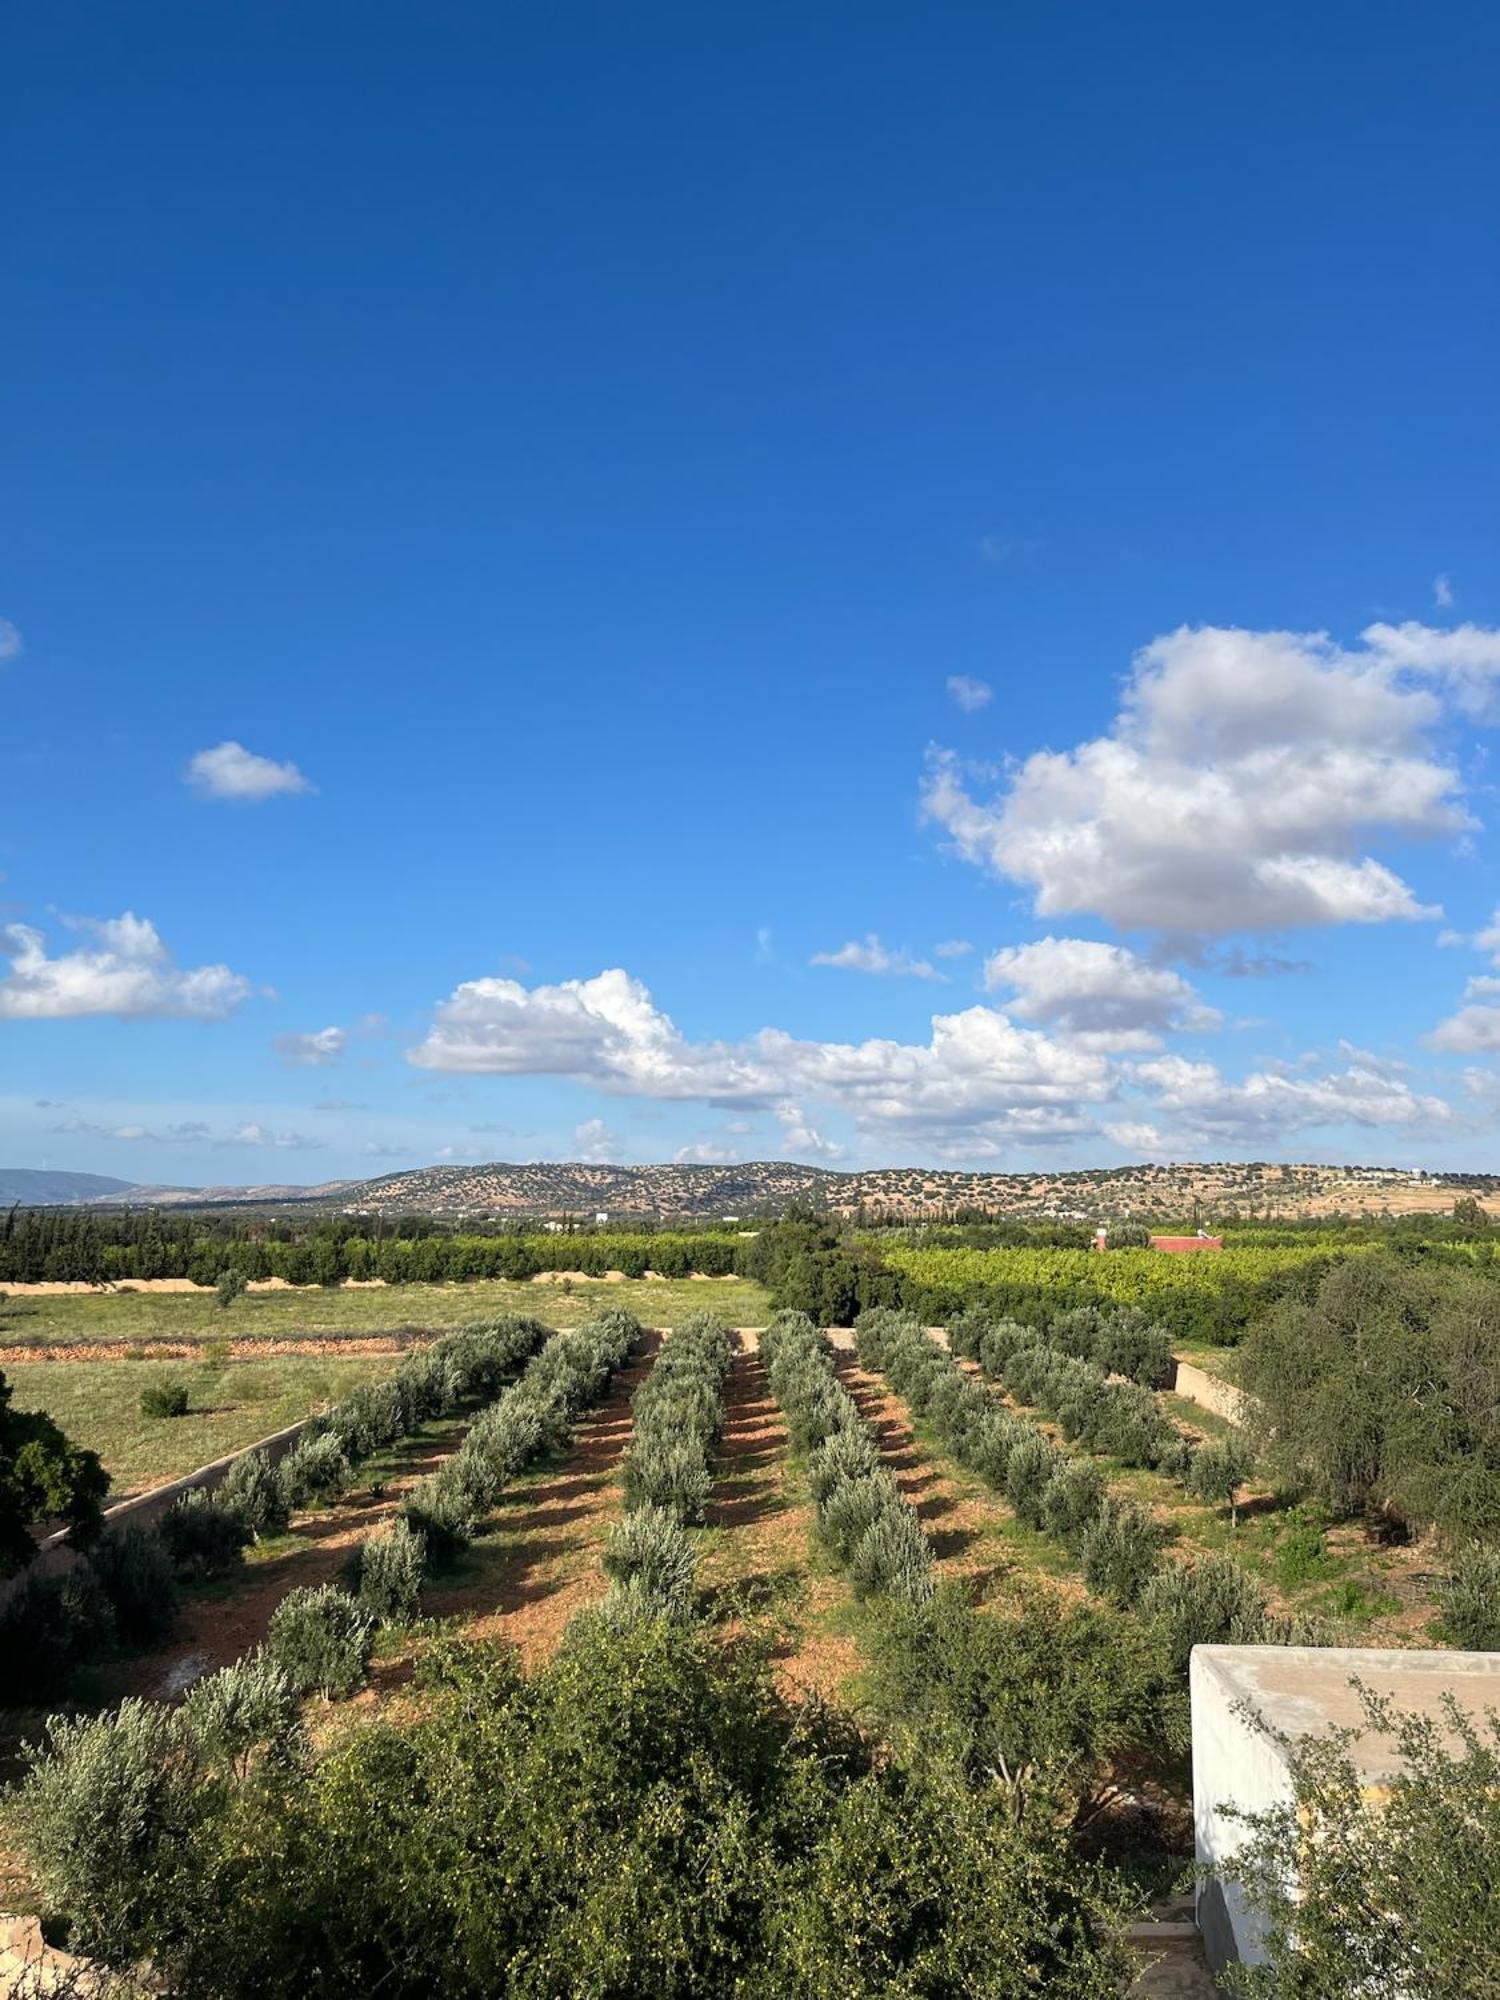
(540, 1559)
(194, 1350)
(960, 1524)
(760, 1564)
(219, 1624)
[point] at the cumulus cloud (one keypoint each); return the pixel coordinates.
(868, 954)
(800, 1140)
(971, 695)
(1192, 1104)
(253, 1133)
(595, 1143)
(1098, 995)
(314, 1051)
(230, 771)
(978, 1069)
(1475, 1028)
(11, 643)
(706, 1153)
(126, 971)
(1238, 784)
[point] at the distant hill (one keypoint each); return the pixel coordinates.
(760, 1187)
(37, 1187)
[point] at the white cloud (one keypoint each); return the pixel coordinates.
(253, 1133)
(979, 1069)
(1200, 1107)
(1475, 1028)
(1238, 783)
(230, 771)
(952, 948)
(128, 972)
(1098, 995)
(1442, 592)
(313, 1051)
(868, 954)
(11, 643)
(801, 1140)
(970, 694)
(595, 1143)
(706, 1153)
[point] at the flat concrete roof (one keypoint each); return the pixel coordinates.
(1306, 1690)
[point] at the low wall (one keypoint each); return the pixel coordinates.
(1211, 1393)
(55, 1554)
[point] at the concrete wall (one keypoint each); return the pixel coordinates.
(1234, 1764)
(54, 1555)
(1219, 1398)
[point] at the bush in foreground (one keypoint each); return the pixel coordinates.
(321, 1640)
(1470, 1600)
(643, 1815)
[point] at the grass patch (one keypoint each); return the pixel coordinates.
(146, 1316)
(230, 1404)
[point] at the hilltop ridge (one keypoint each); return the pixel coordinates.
(674, 1191)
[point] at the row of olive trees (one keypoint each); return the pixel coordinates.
(125, 1592)
(1120, 1548)
(862, 1515)
(1121, 1420)
(322, 1637)
(678, 1417)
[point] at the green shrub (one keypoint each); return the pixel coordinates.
(204, 1534)
(1392, 1893)
(1213, 1601)
(1218, 1471)
(844, 1456)
(644, 1814)
(893, 1557)
(48, 1624)
(1121, 1551)
(135, 1572)
(228, 1286)
(316, 1468)
(1470, 1601)
(391, 1567)
(241, 1707)
(1071, 1500)
(164, 1399)
(442, 1516)
(256, 1489)
(652, 1564)
(850, 1509)
(321, 1640)
(669, 1475)
(110, 1812)
(1032, 1464)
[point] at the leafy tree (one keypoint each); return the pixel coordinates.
(1383, 1894)
(228, 1286)
(1218, 1470)
(43, 1478)
(1470, 1599)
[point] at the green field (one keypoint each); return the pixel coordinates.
(230, 1404)
(144, 1316)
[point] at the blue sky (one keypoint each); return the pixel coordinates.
(654, 499)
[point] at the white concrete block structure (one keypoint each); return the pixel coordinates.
(1296, 1691)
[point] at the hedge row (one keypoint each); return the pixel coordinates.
(862, 1515)
(1119, 1548)
(125, 1591)
(1121, 1420)
(321, 1639)
(679, 1415)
